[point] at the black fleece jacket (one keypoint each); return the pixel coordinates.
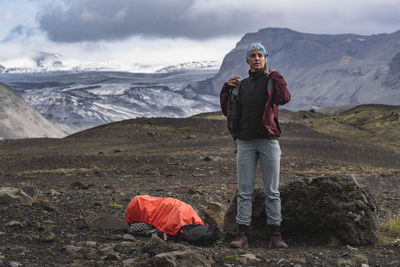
(252, 98)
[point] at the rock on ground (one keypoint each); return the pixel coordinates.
(326, 209)
(156, 246)
(108, 222)
(32, 191)
(181, 258)
(214, 214)
(12, 195)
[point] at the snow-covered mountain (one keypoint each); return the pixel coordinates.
(76, 101)
(43, 62)
(19, 120)
(40, 62)
(48, 61)
(191, 66)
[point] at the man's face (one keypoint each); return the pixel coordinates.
(256, 60)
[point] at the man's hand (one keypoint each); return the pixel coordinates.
(233, 81)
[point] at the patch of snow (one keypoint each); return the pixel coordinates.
(109, 89)
(188, 66)
(349, 40)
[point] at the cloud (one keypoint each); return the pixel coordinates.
(93, 20)
(19, 32)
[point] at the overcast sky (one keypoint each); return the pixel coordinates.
(172, 31)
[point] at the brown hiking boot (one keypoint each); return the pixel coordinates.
(276, 241)
(240, 241)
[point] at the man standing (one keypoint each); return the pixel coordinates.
(253, 119)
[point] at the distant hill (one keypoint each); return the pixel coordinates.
(19, 120)
(320, 69)
(374, 124)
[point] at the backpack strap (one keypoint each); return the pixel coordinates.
(270, 90)
(234, 96)
(179, 234)
(235, 90)
(270, 86)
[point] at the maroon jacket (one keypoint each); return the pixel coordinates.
(280, 95)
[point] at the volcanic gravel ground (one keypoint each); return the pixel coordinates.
(97, 172)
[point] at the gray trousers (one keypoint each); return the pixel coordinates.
(249, 152)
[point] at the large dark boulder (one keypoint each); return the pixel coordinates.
(326, 209)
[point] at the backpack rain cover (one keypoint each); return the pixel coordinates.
(164, 213)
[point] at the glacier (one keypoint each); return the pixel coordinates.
(75, 101)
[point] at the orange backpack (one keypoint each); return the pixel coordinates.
(166, 214)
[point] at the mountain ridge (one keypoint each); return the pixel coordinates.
(321, 69)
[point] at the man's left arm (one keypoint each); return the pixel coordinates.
(281, 92)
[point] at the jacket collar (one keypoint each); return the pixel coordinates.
(256, 74)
